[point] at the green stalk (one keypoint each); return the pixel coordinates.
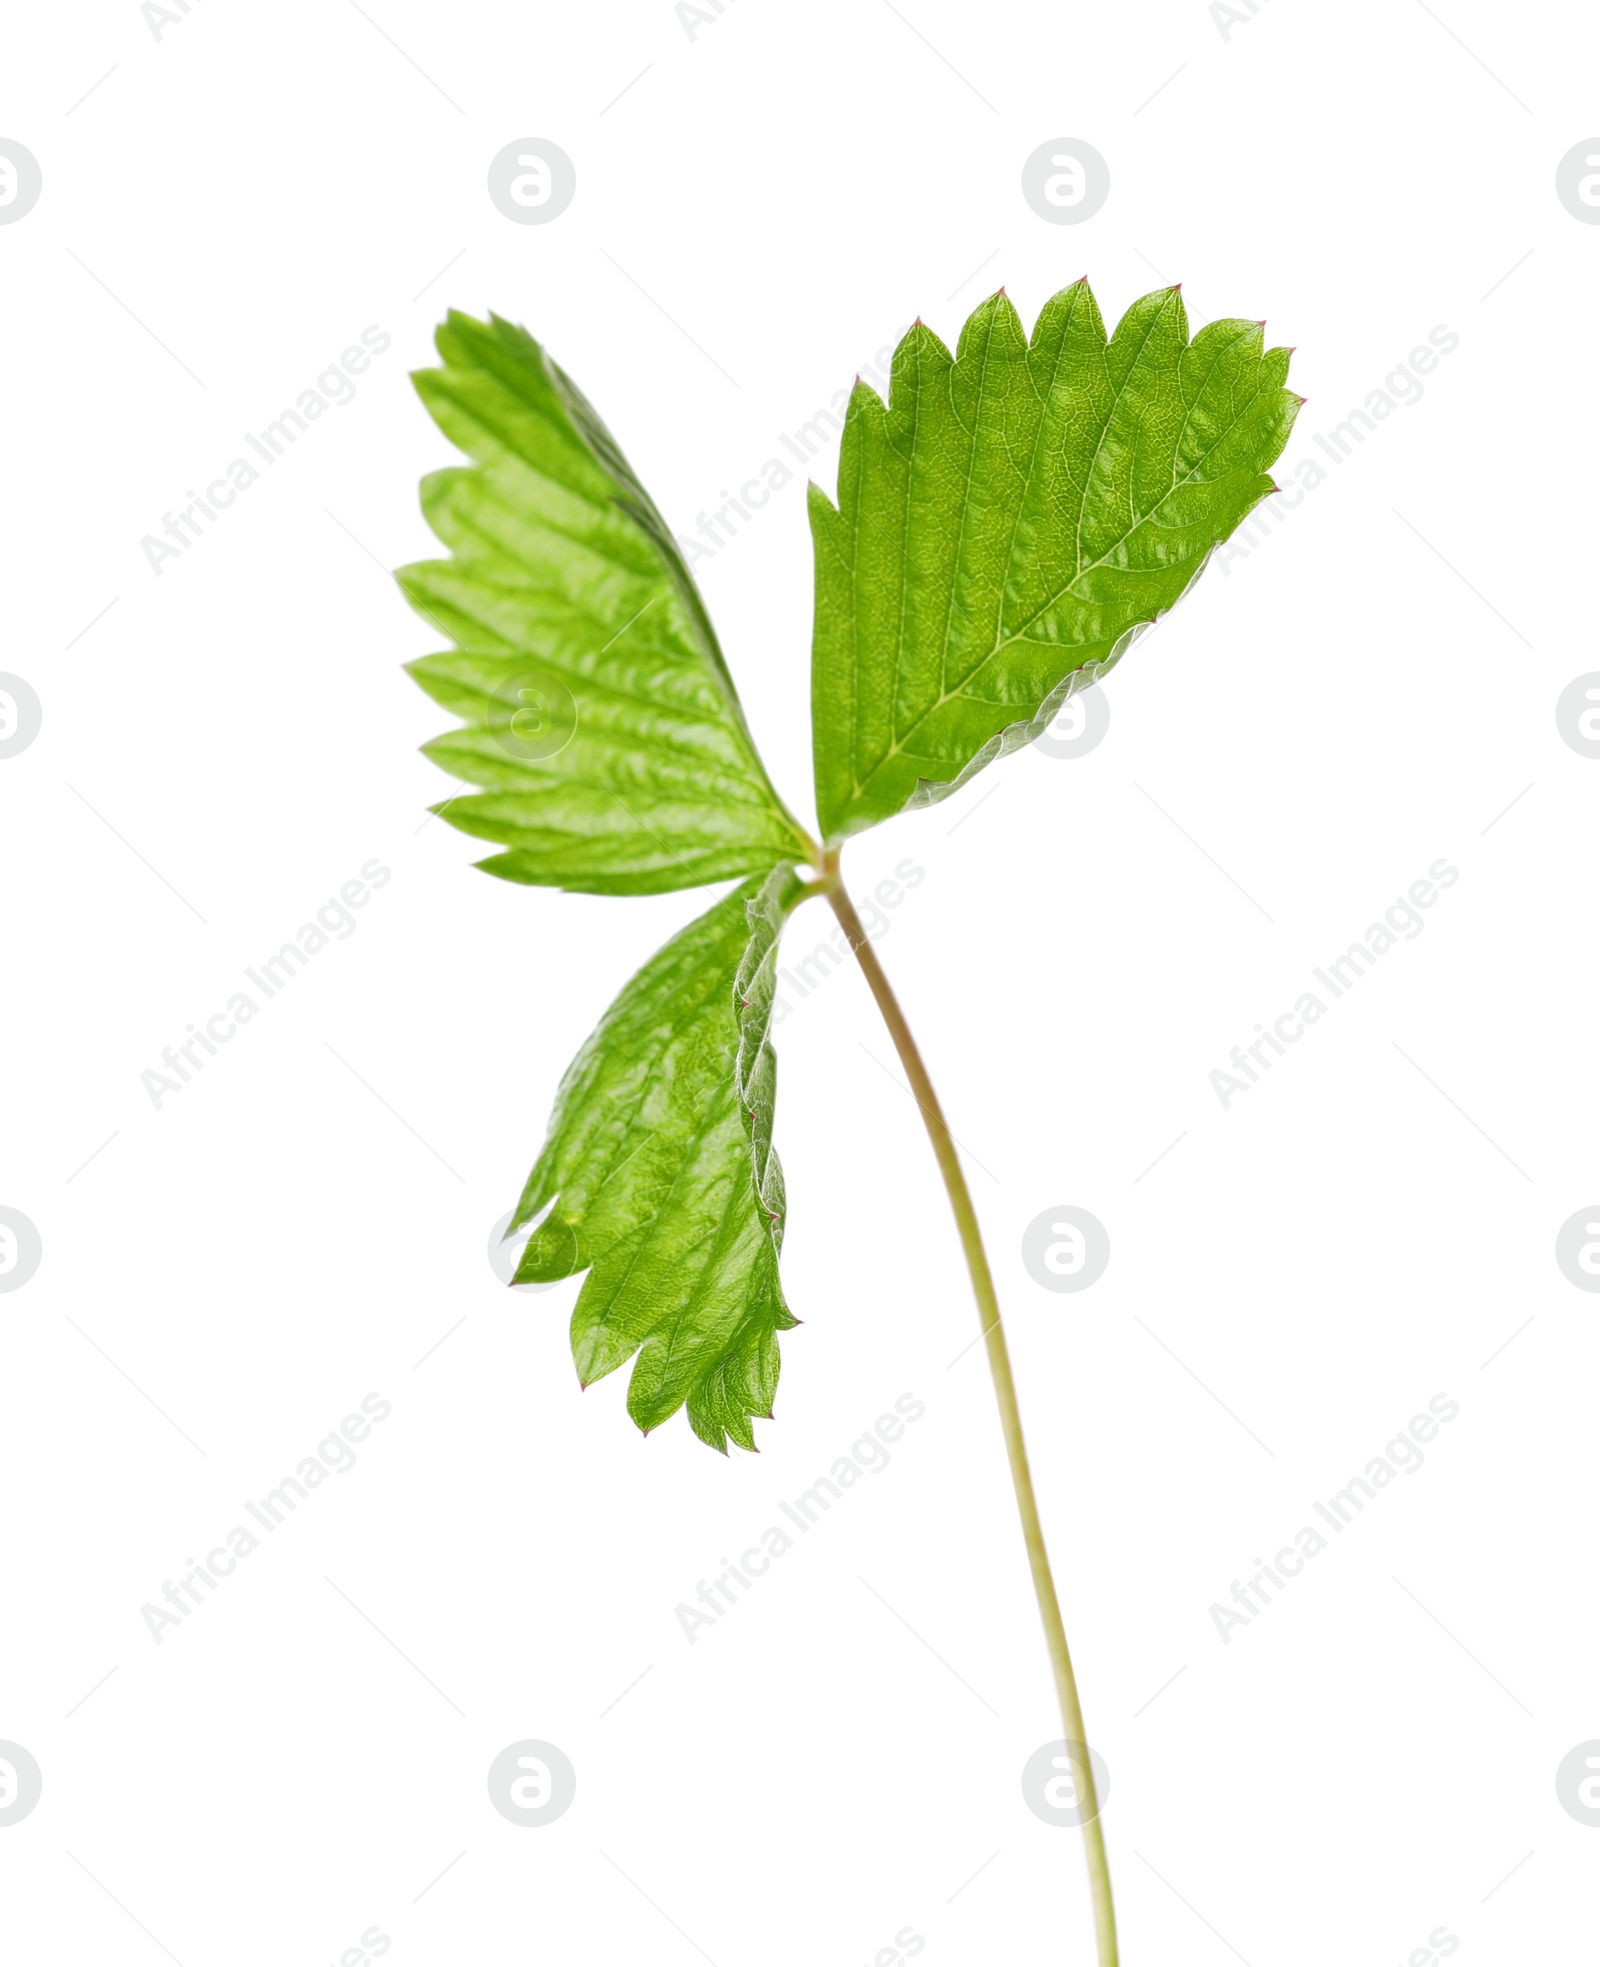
(994, 1339)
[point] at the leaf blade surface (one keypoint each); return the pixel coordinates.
(601, 726)
(660, 1178)
(1011, 521)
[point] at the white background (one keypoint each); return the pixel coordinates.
(772, 200)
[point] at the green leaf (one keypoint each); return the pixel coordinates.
(1011, 522)
(665, 1187)
(600, 719)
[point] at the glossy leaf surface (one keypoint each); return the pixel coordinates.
(600, 721)
(661, 1181)
(1011, 521)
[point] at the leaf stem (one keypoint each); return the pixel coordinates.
(994, 1339)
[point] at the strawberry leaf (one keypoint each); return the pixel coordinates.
(660, 1178)
(600, 718)
(1011, 522)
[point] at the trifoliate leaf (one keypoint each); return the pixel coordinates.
(1011, 522)
(660, 1168)
(600, 718)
